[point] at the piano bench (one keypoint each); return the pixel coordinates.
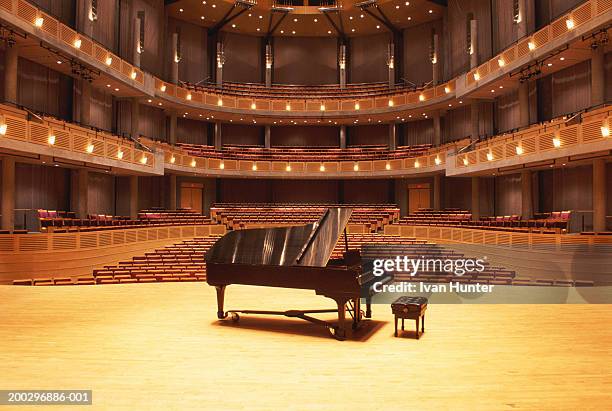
(412, 308)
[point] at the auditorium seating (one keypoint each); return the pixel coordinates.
(288, 153)
(237, 216)
(428, 216)
(160, 216)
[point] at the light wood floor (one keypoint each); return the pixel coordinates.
(159, 346)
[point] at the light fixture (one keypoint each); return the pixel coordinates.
(501, 62)
(172, 160)
(222, 165)
(51, 139)
(605, 131)
(38, 22)
(447, 89)
(569, 23)
(465, 161)
(3, 126)
(417, 164)
(120, 154)
(162, 88)
(556, 142)
(489, 156)
(188, 96)
(77, 43)
(391, 103)
(476, 76)
(437, 161)
(89, 148)
(254, 168)
(357, 106)
(531, 45)
(177, 58)
(288, 168)
(219, 102)
(133, 75)
(109, 60)
(322, 107)
(143, 159)
(193, 163)
(322, 168)
(356, 167)
(253, 106)
(421, 97)
(519, 150)
(288, 107)
(388, 166)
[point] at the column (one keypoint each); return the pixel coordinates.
(392, 136)
(475, 127)
(11, 57)
(269, 64)
(8, 193)
(437, 188)
(522, 19)
(85, 103)
(218, 143)
(174, 71)
(474, 44)
(219, 64)
(526, 195)
(475, 198)
(598, 75)
(172, 193)
(437, 129)
(523, 99)
(267, 133)
(599, 195)
(434, 64)
(134, 197)
(135, 111)
(342, 65)
(137, 51)
(79, 192)
(391, 64)
(342, 136)
(172, 127)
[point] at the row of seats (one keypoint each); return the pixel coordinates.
(237, 216)
(176, 217)
(259, 153)
(184, 261)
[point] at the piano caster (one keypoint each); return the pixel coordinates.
(221, 315)
(235, 317)
(337, 333)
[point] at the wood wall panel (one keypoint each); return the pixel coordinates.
(39, 186)
(193, 66)
(63, 10)
(312, 136)
(104, 27)
(151, 192)
(368, 59)
(508, 197)
(242, 134)
(101, 194)
(305, 60)
(419, 132)
(368, 135)
(242, 58)
(417, 46)
(305, 191)
(191, 131)
(368, 191)
(571, 89)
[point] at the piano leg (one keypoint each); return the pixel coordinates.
(220, 297)
(339, 332)
(368, 313)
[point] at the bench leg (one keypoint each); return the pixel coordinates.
(417, 328)
(396, 325)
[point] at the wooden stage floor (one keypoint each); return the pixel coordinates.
(159, 346)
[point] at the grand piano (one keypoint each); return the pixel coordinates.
(295, 257)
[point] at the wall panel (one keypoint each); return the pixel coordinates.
(306, 136)
(101, 194)
(242, 58)
(242, 134)
(368, 59)
(38, 186)
(305, 60)
(376, 134)
(193, 66)
(417, 45)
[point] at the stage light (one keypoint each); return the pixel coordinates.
(288, 168)
(143, 159)
(109, 60)
(288, 107)
(569, 23)
(421, 97)
(390, 103)
(490, 156)
(172, 160)
(447, 89)
(254, 168)
(356, 167)
(322, 107)
(77, 43)
(253, 106)
(222, 165)
(90, 148)
(322, 168)
(477, 76)
(3, 127)
(193, 163)
(120, 155)
(438, 161)
(357, 106)
(556, 142)
(417, 164)
(388, 166)
(51, 139)
(465, 161)
(531, 45)
(133, 75)
(501, 62)
(219, 102)
(519, 150)
(162, 88)
(38, 22)
(605, 131)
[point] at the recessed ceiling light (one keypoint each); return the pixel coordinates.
(282, 31)
(549, 64)
(409, 18)
(233, 26)
(250, 14)
(328, 31)
(181, 10)
(315, 20)
(562, 58)
(293, 32)
(258, 29)
(397, 7)
(430, 11)
(214, 5)
(353, 30)
(361, 16)
(149, 100)
(261, 17)
(407, 3)
(116, 89)
(295, 20)
(59, 62)
(202, 17)
(377, 26)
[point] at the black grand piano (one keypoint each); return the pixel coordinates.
(295, 257)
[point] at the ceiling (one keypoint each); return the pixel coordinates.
(307, 20)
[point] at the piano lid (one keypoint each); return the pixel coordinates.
(306, 245)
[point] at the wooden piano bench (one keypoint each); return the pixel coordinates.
(412, 308)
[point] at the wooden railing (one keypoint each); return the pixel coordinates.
(542, 138)
(67, 137)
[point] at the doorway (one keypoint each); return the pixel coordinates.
(419, 196)
(191, 196)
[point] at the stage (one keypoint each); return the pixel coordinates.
(160, 346)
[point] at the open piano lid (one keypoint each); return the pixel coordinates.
(305, 245)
